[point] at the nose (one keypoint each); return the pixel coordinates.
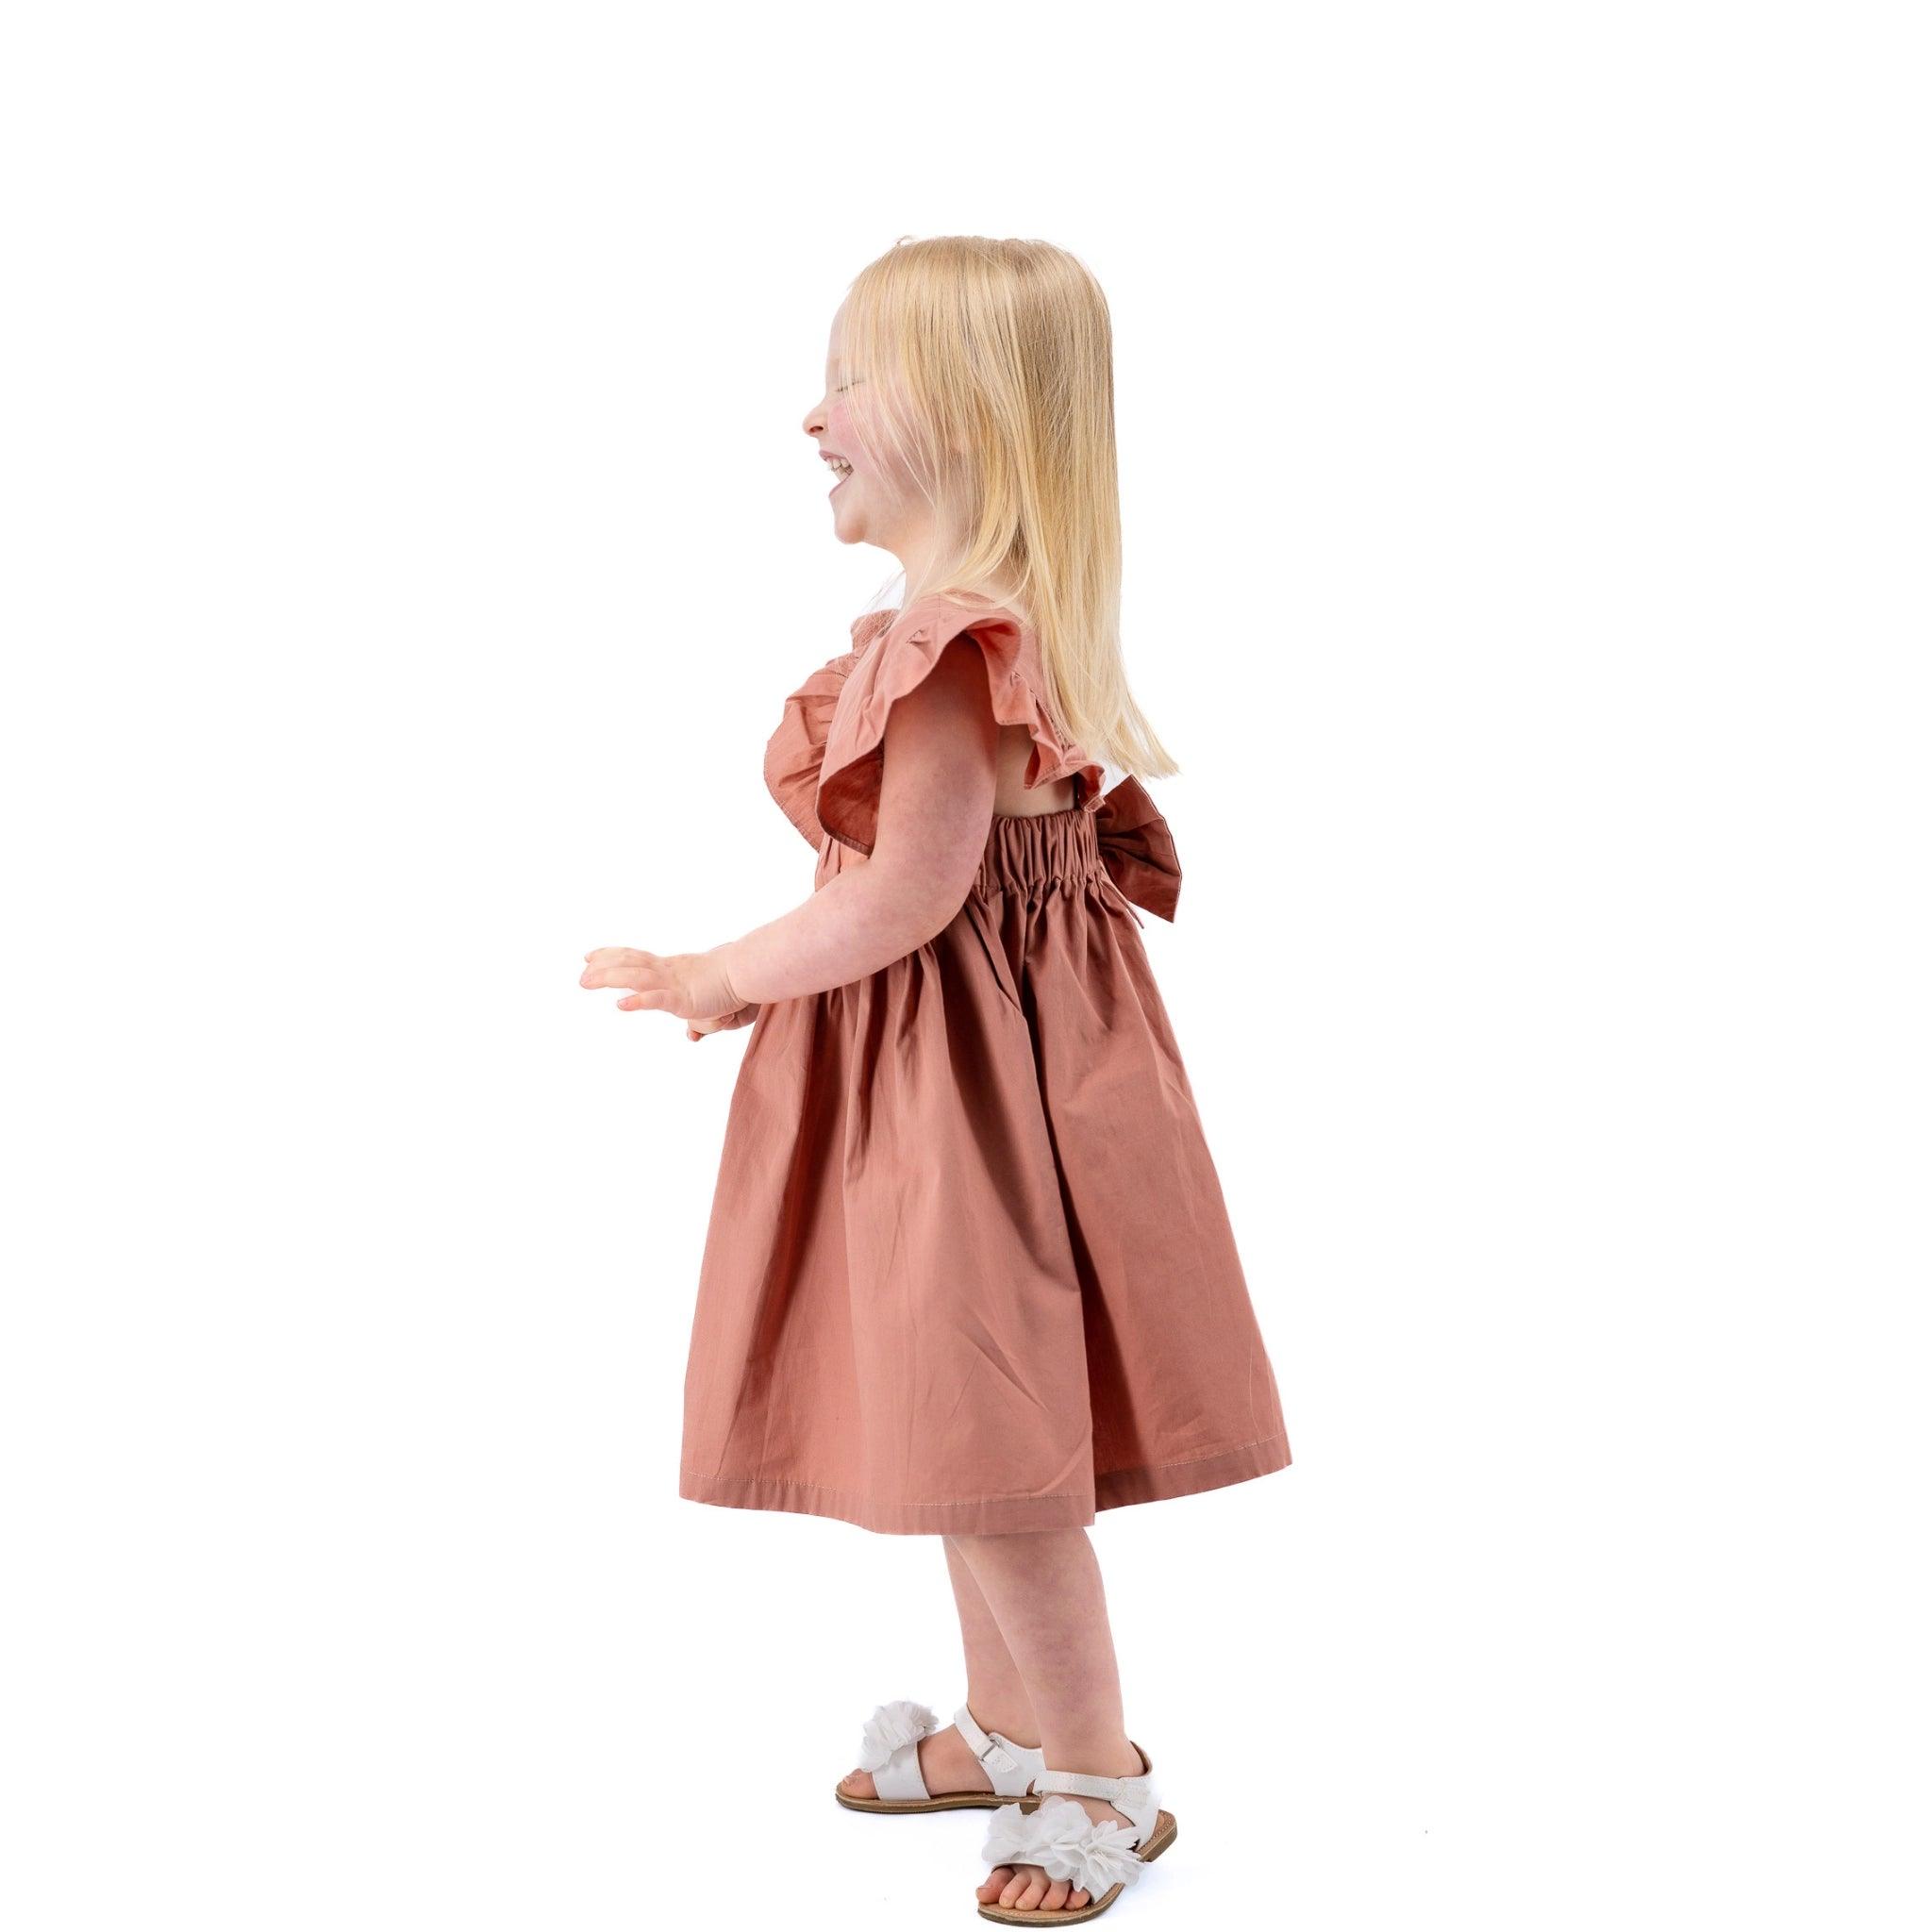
(815, 418)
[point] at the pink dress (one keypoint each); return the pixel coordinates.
(968, 1268)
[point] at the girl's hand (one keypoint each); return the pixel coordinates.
(691, 985)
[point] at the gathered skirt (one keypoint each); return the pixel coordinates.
(969, 1267)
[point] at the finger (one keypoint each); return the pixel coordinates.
(638, 976)
(617, 956)
(652, 1001)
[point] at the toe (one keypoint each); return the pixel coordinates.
(1035, 1891)
(859, 1784)
(996, 1882)
(1015, 1886)
(1055, 1896)
(1075, 1899)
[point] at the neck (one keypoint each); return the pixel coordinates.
(917, 557)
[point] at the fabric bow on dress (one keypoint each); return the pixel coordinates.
(1136, 848)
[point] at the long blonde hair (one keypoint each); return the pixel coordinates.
(988, 367)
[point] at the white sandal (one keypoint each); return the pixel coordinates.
(1099, 1859)
(888, 1748)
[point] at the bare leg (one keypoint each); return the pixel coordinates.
(1046, 1593)
(995, 1692)
(996, 1695)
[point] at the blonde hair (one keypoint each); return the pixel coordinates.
(988, 373)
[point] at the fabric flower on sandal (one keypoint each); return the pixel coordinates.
(1066, 1843)
(902, 1722)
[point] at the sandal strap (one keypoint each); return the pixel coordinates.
(1132, 1795)
(983, 1746)
(1013, 1767)
(1081, 1784)
(888, 1748)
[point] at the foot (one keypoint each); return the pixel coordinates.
(946, 1762)
(1027, 1889)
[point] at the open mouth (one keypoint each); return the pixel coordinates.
(842, 470)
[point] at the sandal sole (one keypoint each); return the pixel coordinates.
(1164, 1833)
(946, 1801)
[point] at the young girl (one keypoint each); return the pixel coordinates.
(969, 1273)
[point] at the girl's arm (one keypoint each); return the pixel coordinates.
(935, 795)
(935, 798)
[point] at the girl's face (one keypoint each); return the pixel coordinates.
(872, 501)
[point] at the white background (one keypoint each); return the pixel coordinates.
(409, 538)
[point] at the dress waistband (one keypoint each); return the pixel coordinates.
(1024, 854)
(1120, 837)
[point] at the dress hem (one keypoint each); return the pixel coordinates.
(1116, 1489)
(979, 1516)
(993, 1515)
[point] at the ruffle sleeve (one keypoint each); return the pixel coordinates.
(898, 660)
(796, 749)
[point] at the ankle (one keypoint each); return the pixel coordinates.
(1097, 1754)
(1013, 1722)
